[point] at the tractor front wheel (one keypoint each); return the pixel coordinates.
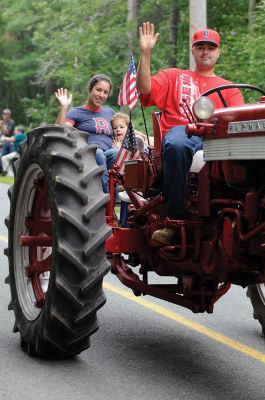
(56, 242)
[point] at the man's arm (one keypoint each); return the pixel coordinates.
(8, 139)
(148, 39)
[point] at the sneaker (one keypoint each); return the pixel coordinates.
(164, 237)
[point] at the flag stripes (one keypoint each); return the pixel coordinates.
(128, 95)
(128, 150)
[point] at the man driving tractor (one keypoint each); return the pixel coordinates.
(167, 90)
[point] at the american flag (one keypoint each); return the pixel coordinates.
(128, 94)
(128, 150)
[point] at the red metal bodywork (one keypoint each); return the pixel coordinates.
(38, 240)
(223, 240)
(216, 127)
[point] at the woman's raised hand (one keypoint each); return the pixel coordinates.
(148, 37)
(63, 97)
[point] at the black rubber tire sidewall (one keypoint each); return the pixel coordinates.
(68, 318)
(258, 305)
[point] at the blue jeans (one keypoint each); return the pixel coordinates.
(177, 155)
(106, 159)
(6, 149)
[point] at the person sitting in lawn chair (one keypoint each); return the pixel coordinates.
(16, 140)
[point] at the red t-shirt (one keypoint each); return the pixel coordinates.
(170, 86)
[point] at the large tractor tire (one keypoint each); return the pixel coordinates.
(256, 293)
(56, 242)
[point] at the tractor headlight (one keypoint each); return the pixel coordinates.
(203, 108)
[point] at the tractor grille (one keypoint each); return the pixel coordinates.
(243, 148)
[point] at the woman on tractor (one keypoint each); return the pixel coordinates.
(93, 117)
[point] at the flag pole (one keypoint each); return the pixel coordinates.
(145, 126)
(130, 122)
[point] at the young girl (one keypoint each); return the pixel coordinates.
(120, 123)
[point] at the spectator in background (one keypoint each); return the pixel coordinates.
(16, 140)
(7, 126)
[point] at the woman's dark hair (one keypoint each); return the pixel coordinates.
(97, 78)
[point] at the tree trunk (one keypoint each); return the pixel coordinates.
(133, 18)
(198, 20)
(174, 21)
(251, 13)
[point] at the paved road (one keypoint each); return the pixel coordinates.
(145, 349)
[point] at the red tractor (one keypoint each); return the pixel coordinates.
(63, 237)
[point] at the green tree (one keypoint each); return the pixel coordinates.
(47, 44)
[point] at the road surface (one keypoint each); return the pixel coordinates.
(145, 349)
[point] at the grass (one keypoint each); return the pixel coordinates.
(6, 179)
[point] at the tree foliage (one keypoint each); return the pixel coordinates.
(47, 44)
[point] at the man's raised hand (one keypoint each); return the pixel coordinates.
(148, 37)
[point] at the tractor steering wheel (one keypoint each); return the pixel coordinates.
(219, 89)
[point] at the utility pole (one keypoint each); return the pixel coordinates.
(198, 20)
(133, 17)
(251, 12)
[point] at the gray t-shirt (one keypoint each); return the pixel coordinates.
(96, 123)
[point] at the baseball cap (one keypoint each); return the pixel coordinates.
(206, 35)
(6, 111)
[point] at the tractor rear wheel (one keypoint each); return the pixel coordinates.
(256, 293)
(56, 242)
